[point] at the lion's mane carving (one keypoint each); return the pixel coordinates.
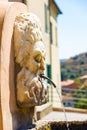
(30, 56)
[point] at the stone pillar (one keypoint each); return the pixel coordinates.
(8, 108)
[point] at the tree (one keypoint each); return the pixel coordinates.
(81, 98)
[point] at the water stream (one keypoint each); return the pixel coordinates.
(44, 77)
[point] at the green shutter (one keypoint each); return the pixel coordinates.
(45, 17)
(46, 10)
(49, 71)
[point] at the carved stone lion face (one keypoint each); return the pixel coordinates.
(29, 47)
(36, 61)
(30, 56)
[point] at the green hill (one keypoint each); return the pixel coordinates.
(74, 67)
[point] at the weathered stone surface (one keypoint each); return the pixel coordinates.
(7, 100)
(60, 125)
(30, 62)
(30, 56)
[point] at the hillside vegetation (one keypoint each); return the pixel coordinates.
(74, 67)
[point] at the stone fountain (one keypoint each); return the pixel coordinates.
(22, 62)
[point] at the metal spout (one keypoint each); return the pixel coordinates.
(44, 77)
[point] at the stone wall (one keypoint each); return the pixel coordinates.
(8, 12)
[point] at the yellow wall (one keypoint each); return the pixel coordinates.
(55, 61)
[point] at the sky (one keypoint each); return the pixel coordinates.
(72, 28)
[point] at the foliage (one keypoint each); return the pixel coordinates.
(77, 80)
(81, 96)
(74, 67)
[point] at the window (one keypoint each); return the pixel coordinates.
(46, 18)
(49, 71)
(51, 35)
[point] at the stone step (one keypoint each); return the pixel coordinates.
(43, 110)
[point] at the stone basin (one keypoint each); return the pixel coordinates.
(55, 120)
(61, 125)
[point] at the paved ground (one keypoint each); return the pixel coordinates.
(60, 116)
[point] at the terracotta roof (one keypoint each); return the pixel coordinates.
(70, 84)
(67, 82)
(83, 77)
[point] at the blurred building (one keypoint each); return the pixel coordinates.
(47, 11)
(69, 87)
